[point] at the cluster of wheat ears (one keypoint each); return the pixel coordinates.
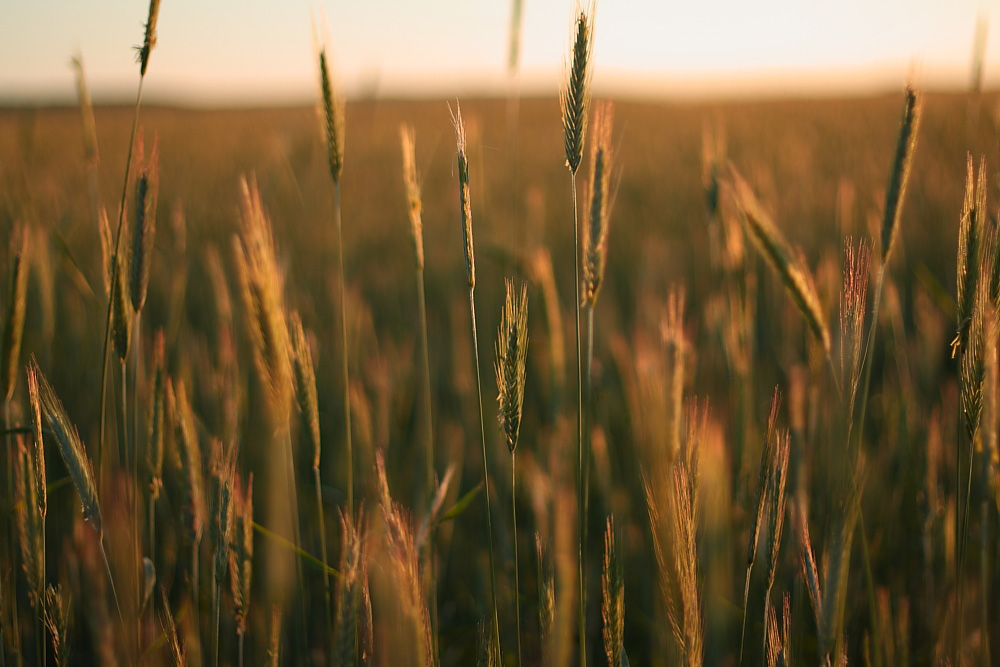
(126, 557)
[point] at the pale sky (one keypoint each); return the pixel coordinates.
(261, 51)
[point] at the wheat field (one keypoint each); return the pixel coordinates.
(756, 424)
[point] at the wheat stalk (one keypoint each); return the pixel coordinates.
(465, 206)
(512, 352)
(411, 182)
(333, 126)
(574, 101)
(57, 617)
(149, 41)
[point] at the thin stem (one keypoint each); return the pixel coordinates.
(343, 349)
(152, 529)
(517, 586)
(39, 634)
(9, 526)
(322, 548)
(215, 621)
(767, 608)
(580, 492)
(114, 594)
(984, 574)
(486, 472)
(106, 354)
(137, 357)
(429, 464)
(239, 643)
(194, 591)
(297, 535)
(587, 416)
(746, 596)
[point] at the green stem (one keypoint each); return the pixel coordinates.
(322, 547)
(429, 463)
(106, 354)
(486, 472)
(517, 587)
(580, 491)
(343, 349)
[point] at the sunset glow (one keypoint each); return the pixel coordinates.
(259, 51)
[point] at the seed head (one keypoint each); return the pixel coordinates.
(512, 351)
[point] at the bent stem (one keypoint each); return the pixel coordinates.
(486, 472)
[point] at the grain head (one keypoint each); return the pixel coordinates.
(332, 118)
(574, 96)
(512, 353)
(595, 239)
(241, 554)
(350, 585)
(857, 265)
(222, 488)
(613, 598)
(57, 614)
(404, 558)
(90, 152)
(900, 174)
(263, 304)
(149, 40)
(144, 225)
(189, 458)
(13, 330)
(464, 198)
(71, 448)
(305, 385)
(788, 265)
(411, 181)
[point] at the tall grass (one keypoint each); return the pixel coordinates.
(574, 99)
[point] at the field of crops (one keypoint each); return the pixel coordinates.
(784, 369)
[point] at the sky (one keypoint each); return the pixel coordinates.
(222, 52)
